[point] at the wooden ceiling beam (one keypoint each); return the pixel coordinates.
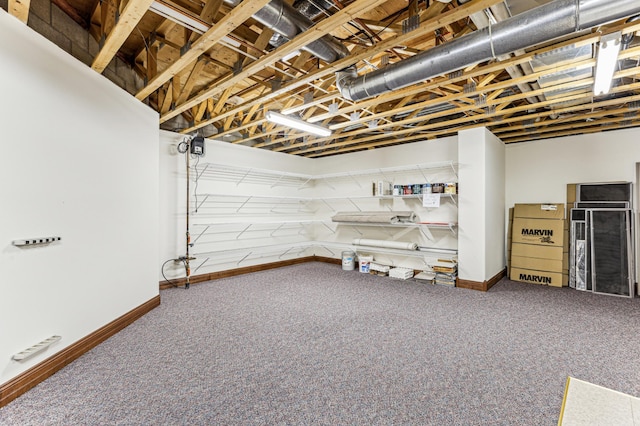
(196, 70)
(129, 19)
(223, 27)
(453, 15)
(19, 9)
(586, 128)
(318, 30)
(524, 108)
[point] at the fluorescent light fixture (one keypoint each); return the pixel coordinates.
(296, 123)
(606, 63)
(180, 17)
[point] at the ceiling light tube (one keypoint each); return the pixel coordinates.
(169, 12)
(608, 50)
(296, 123)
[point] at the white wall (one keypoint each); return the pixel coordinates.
(173, 193)
(539, 171)
(173, 199)
(430, 151)
(494, 225)
(79, 161)
(481, 204)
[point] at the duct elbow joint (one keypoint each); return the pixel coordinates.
(344, 78)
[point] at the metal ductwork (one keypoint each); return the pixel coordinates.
(288, 22)
(544, 23)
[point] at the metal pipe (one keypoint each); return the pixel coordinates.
(288, 22)
(535, 26)
(187, 267)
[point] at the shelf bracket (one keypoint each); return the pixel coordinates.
(355, 228)
(243, 258)
(383, 175)
(286, 251)
(243, 231)
(276, 230)
(327, 249)
(401, 233)
(277, 182)
(453, 169)
(199, 175)
(243, 204)
(422, 173)
(243, 177)
(200, 235)
(202, 202)
(325, 180)
(303, 184)
(354, 204)
(333, 231)
(355, 180)
(425, 231)
(201, 265)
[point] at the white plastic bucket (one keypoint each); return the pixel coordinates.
(365, 263)
(348, 260)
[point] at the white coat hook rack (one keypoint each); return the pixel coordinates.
(30, 242)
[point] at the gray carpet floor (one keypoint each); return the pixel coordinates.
(312, 344)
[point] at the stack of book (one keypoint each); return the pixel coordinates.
(446, 272)
(379, 269)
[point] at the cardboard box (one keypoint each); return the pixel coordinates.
(538, 231)
(540, 252)
(539, 211)
(553, 279)
(571, 194)
(538, 264)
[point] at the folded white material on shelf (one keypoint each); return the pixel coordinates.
(401, 273)
(375, 217)
(427, 276)
(385, 244)
(379, 267)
